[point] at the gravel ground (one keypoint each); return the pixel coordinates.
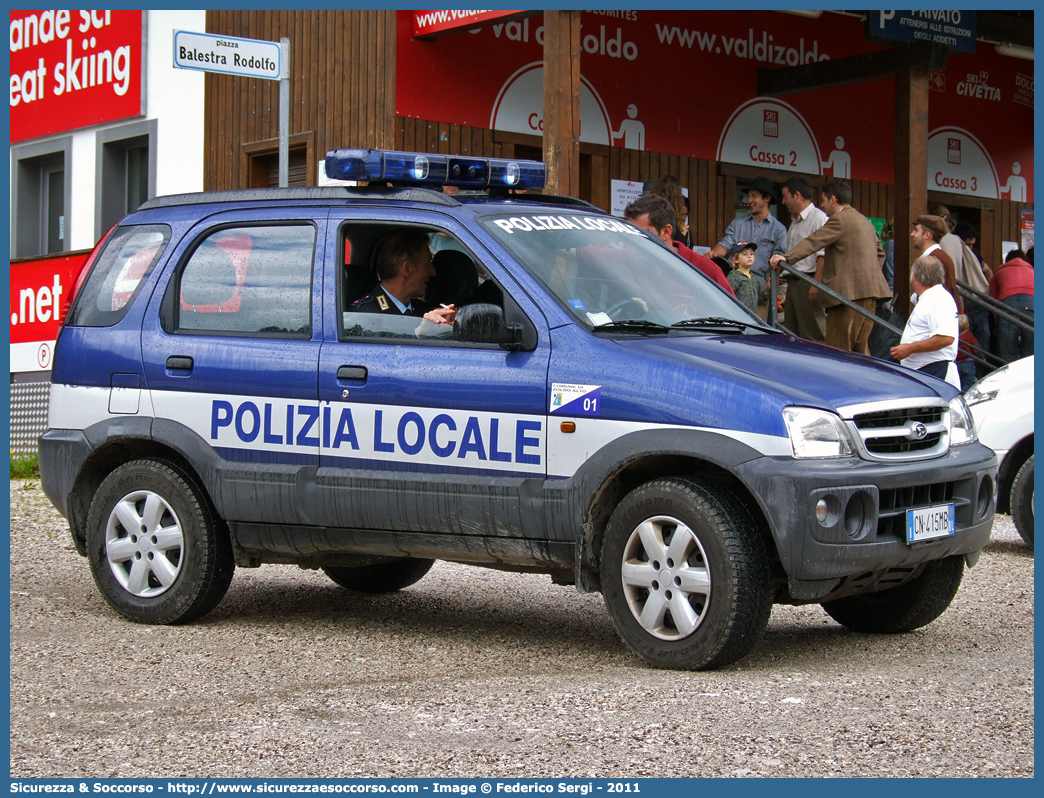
(473, 672)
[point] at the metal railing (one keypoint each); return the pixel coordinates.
(976, 352)
(823, 288)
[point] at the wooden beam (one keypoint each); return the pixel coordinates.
(562, 101)
(851, 69)
(911, 172)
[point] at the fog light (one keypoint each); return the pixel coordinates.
(822, 511)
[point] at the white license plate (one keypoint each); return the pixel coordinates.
(929, 523)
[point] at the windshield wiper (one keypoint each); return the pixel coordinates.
(641, 325)
(717, 323)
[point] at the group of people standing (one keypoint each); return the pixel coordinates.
(840, 248)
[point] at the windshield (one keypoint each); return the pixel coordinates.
(607, 272)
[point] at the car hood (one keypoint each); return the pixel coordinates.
(731, 381)
(798, 371)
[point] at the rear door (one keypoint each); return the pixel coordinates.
(422, 433)
(231, 350)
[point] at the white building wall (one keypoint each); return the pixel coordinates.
(174, 98)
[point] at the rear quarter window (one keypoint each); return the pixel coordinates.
(116, 279)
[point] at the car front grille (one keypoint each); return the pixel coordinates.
(904, 432)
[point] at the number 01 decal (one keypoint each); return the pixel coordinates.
(576, 400)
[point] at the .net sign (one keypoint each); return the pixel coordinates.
(40, 291)
(71, 69)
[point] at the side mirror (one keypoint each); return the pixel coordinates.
(481, 323)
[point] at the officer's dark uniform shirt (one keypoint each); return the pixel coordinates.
(379, 301)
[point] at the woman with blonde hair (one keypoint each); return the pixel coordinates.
(669, 187)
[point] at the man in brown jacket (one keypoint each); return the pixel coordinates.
(851, 267)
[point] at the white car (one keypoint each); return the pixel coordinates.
(1002, 406)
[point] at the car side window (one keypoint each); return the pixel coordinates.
(116, 279)
(249, 281)
(458, 278)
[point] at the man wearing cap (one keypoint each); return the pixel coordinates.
(851, 267)
(759, 227)
(928, 231)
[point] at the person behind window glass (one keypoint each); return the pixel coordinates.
(404, 268)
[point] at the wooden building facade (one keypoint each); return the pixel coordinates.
(343, 83)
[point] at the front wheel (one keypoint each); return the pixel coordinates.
(909, 606)
(381, 577)
(685, 575)
(1022, 501)
(156, 551)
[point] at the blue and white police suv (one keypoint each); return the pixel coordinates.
(237, 383)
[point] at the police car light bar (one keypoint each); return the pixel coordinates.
(436, 170)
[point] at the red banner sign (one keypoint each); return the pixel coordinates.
(40, 290)
(431, 24)
(71, 69)
(685, 83)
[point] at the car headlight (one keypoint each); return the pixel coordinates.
(985, 389)
(816, 433)
(962, 425)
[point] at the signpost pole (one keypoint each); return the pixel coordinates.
(284, 115)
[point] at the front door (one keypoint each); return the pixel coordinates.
(422, 433)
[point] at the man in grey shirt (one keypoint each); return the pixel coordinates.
(801, 312)
(759, 227)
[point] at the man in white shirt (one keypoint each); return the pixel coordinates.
(929, 341)
(801, 313)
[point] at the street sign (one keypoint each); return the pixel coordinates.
(246, 58)
(955, 28)
(250, 58)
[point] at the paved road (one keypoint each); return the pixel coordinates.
(473, 672)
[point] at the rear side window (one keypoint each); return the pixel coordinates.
(118, 275)
(249, 281)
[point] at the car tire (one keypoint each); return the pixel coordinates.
(180, 568)
(909, 606)
(382, 577)
(715, 578)
(1022, 501)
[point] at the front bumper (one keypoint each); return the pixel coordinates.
(865, 530)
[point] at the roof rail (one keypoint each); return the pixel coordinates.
(404, 194)
(549, 199)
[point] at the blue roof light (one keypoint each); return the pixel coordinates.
(435, 170)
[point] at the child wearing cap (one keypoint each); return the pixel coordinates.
(743, 283)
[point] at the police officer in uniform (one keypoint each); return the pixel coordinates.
(404, 268)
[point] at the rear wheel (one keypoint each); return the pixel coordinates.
(157, 552)
(1022, 501)
(685, 575)
(381, 577)
(909, 606)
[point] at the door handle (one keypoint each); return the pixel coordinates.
(352, 373)
(178, 363)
